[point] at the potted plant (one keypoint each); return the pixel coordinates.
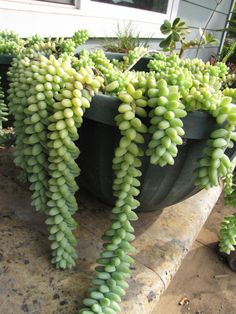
(127, 48)
(227, 237)
(11, 44)
(50, 93)
(161, 186)
(132, 53)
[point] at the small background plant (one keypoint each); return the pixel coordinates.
(228, 52)
(127, 38)
(177, 32)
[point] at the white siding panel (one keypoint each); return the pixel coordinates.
(203, 53)
(195, 34)
(198, 16)
(63, 25)
(224, 6)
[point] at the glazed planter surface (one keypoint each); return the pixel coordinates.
(160, 187)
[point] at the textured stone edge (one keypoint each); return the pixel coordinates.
(162, 247)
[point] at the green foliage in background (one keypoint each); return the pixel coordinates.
(127, 38)
(229, 49)
(177, 32)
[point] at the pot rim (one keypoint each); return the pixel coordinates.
(104, 108)
(6, 59)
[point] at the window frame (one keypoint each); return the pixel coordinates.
(144, 21)
(67, 2)
(28, 17)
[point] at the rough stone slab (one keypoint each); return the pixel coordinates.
(30, 284)
(164, 244)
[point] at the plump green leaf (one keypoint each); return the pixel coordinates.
(166, 27)
(166, 42)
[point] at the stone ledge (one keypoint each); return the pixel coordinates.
(164, 244)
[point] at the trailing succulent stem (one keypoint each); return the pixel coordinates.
(215, 163)
(166, 125)
(229, 190)
(228, 234)
(228, 226)
(3, 108)
(48, 98)
(6, 137)
(114, 263)
(110, 281)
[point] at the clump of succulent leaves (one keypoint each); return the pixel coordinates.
(50, 90)
(3, 108)
(7, 137)
(177, 31)
(227, 242)
(12, 44)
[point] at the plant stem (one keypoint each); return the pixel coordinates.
(181, 49)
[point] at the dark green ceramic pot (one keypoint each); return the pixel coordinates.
(160, 187)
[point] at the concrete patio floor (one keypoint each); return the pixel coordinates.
(204, 282)
(30, 284)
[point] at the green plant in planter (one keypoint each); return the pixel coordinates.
(129, 42)
(177, 32)
(44, 96)
(10, 42)
(228, 226)
(228, 234)
(3, 108)
(6, 136)
(127, 38)
(163, 97)
(48, 97)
